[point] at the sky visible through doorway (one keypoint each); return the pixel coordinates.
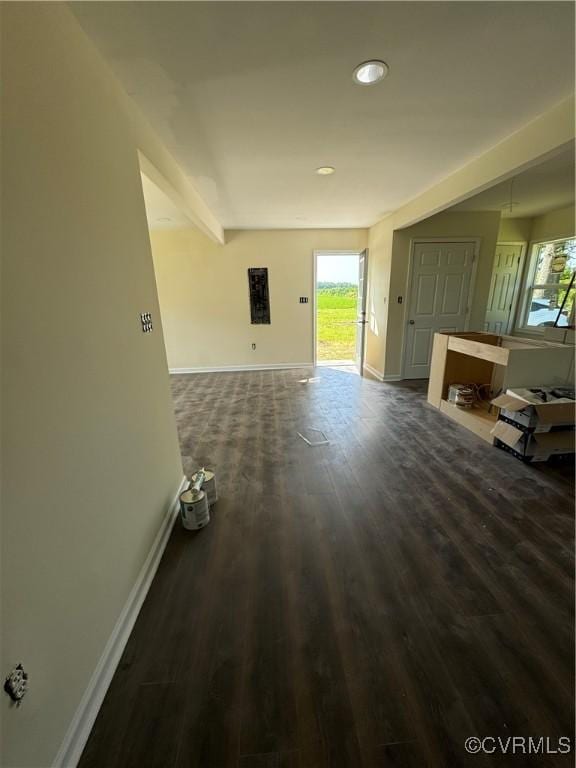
(337, 269)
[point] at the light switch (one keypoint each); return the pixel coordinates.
(16, 684)
(146, 322)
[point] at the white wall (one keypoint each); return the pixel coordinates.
(90, 456)
(465, 224)
(554, 225)
(380, 238)
(203, 291)
(390, 253)
(515, 230)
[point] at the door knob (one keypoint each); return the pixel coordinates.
(411, 322)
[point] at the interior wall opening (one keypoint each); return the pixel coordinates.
(162, 214)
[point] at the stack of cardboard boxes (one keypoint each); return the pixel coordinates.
(535, 424)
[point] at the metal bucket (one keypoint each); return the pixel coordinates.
(194, 509)
(209, 486)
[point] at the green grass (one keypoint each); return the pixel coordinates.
(336, 316)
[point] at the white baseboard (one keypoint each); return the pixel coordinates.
(83, 720)
(373, 372)
(379, 376)
(230, 368)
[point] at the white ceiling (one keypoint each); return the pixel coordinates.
(251, 97)
(540, 189)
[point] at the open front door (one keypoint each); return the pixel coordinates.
(361, 311)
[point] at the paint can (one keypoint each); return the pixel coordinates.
(208, 486)
(194, 509)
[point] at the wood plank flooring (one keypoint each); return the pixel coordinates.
(368, 603)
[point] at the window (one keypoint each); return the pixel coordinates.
(550, 290)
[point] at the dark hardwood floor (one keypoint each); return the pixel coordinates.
(373, 602)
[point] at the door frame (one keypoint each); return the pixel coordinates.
(477, 241)
(362, 323)
(316, 253)
(520, 279)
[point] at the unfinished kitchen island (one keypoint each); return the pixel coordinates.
(493, 364)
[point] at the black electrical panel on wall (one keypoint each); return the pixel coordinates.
(259, 296)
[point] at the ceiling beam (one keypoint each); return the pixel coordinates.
(537, 141)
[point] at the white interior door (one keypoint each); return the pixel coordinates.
(361, 310)
(438, 299)
(503, 288)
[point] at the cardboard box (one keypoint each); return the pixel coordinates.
(534, 430)
(539, 417)
(532, 446)
(540, 395)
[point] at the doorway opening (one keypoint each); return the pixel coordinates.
(339, 308)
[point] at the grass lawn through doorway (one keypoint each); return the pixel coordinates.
(336, 321)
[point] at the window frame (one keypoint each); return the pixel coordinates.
(530, 286)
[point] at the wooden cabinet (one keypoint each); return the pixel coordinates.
(499, 363)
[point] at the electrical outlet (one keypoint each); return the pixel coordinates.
(253, 346)
(16, 684)
(146, 322)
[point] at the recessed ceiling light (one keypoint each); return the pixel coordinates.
(325, 170)
(163, 218)
(370, 72)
